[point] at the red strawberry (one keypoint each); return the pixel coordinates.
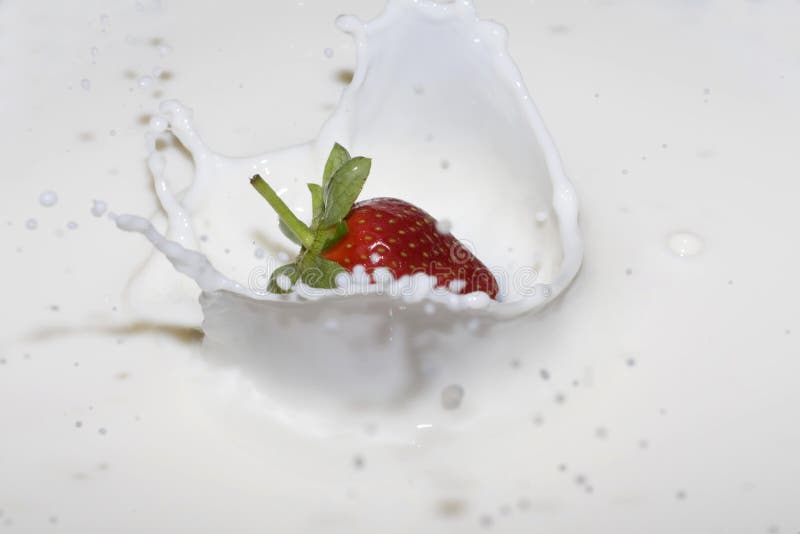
(391, 233)
(382, 232)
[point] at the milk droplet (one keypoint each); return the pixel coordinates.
(685, 244)
(86, 84)
(360, 275)
(452, 396)
(358, 461)
(545, 374)
(382, 276)
(145, 81)
(31, 224)
(99, 208)
(374, 257)
(457, 286)
(259, 253)
(72, 225)
(283, 257)
(158, 123)
(329, 52)
(443, 226)
(48, 198)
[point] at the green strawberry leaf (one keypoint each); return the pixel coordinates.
(343, 189)
(317, 204)
(338, 157)
(289, 270)
(321, 273)
(334, 235)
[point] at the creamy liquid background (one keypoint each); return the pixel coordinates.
(698, 435)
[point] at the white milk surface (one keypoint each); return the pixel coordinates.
(659, 394)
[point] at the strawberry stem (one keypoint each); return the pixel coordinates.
(342, 181)
(298, 228)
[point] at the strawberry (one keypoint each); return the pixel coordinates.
(381, 232)
(391, 233)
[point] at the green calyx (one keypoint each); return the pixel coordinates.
(342, 182)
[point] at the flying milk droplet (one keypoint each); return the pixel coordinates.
(99, 207)
(48, 199)
(685, 244)
(145, 81)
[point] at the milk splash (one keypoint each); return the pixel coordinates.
(433, 84)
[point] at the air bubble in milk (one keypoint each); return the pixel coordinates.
(685, 244)
(328, 52)
(86, 84)
(48, 198)
(164, 50)
(31, 224)
(72, 225)
(259, 253)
